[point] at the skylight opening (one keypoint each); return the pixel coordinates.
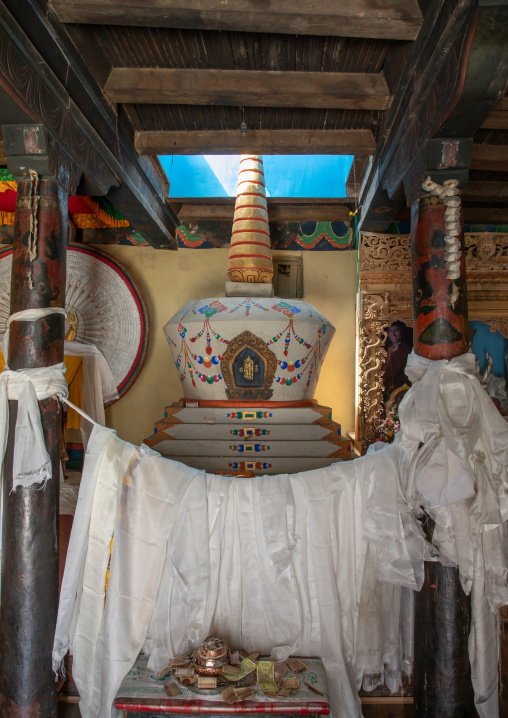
(302, 176)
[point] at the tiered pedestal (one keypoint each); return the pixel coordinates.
(265, 440)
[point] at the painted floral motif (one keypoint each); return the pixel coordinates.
(213, 308)
(289, 310)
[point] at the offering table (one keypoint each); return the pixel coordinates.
(142, 695)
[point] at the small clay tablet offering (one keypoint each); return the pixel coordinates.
(295, 665)
(207, 681)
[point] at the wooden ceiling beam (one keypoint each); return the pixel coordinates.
(354, 178)
(249, 88)
(484, 215)
(490, 157)
(485, 191)
(362, 18)
(321, 211)
(271, 201)
(263, 142)
(497, 120)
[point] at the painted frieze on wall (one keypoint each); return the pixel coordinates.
(320, 236)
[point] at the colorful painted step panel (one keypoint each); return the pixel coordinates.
(176, 413)
(258, 466)
(201, 447)
(248, 432)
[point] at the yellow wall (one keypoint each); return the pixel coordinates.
(168, 280)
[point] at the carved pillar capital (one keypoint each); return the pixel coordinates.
(32, 147)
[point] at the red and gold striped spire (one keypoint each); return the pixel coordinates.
(250, 256)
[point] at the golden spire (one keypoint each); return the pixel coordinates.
(250, 256)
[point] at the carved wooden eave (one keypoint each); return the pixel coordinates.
(386, 295)
(43, 82)
(442, 102)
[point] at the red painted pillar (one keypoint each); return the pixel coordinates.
(440, 329)
(442, 675)
(29, 598)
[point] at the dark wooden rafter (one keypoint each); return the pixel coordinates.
(485, 191)
(80, 120)
(363, 18)
(255, 88)
(266, 142)
(489, 157)
(498, 118)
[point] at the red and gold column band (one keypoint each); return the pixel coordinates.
(439, 302)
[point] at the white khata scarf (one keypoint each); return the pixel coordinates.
(305, 563)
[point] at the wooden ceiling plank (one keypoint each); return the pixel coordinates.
(267, 142)
(485, 215)
(485, 191)
(489, 157)
(497, 120)
(353, 90)
(362, 18)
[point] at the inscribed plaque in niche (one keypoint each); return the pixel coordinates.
(248, 367)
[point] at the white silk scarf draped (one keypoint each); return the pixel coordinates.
(319, 563)
(277, 564)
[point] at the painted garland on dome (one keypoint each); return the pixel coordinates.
(205, 365)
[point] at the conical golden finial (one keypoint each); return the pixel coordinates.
(250, 256)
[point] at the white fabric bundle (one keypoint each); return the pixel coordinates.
(31, 462)
(319, 563)
(98, 386)
(277, 564)
(448, 410)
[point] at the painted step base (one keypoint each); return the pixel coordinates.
(272, 466)
(250, 449)
(248, 432)
(178, 413)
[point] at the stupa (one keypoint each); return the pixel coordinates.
(249, 363)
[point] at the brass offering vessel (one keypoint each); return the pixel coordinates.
(210, 657)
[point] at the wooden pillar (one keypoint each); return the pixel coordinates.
(442, 675)
(29, 599)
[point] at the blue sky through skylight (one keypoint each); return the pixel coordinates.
(285, 175)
